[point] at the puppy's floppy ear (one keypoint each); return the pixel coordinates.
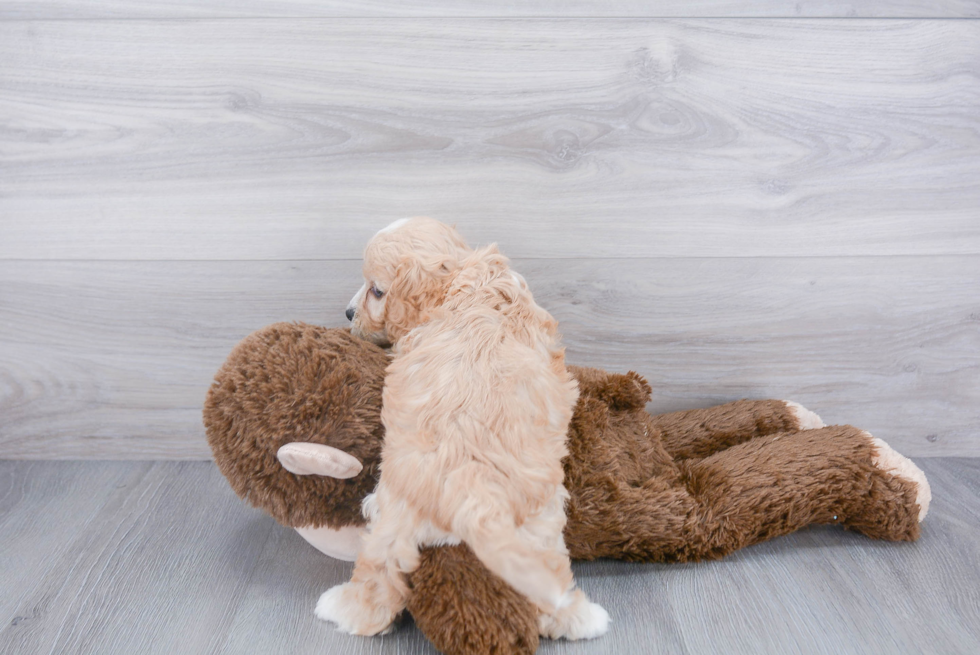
(418, 287)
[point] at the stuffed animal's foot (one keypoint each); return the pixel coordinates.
(897, 494)
(354, 611)
(578, 619)
(888, 460)
(807, 420)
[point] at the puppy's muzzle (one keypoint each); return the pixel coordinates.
(350, 313)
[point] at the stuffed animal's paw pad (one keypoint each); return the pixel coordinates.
(806, 419)
(887, 459)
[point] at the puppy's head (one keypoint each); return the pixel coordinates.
(408, 267)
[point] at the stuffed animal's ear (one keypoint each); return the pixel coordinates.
(304, 458)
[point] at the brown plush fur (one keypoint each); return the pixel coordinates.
(698, 485)
(675, 487)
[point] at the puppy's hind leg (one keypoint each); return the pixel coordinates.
(576, 617)
(533, 559)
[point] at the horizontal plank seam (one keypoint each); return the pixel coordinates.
(563, 19)
(951, 255)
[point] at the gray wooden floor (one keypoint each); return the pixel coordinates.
(161, 557)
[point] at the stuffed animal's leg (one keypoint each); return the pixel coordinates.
(465, 609)
(768, 486)
(776, 484)
(703, 432)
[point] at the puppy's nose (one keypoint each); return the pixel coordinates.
(350, 313)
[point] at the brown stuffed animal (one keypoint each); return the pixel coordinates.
(293, 419)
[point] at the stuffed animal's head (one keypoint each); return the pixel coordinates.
(294, 421)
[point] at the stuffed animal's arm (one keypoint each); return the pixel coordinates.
(699, 433)
(618, 390)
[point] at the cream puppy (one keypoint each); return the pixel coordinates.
(476, 407)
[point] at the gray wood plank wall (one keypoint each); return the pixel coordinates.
(733, 205)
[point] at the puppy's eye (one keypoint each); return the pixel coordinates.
(377, 292)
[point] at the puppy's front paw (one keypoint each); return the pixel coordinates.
(331, 607)
(578, 620)
(349, 607)
(591, 623)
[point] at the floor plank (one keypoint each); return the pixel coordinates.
(112, 359)
(80, 9)
(171, 561)
(160, 568)
(43, 508)
(264, 622)
(294, 138)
